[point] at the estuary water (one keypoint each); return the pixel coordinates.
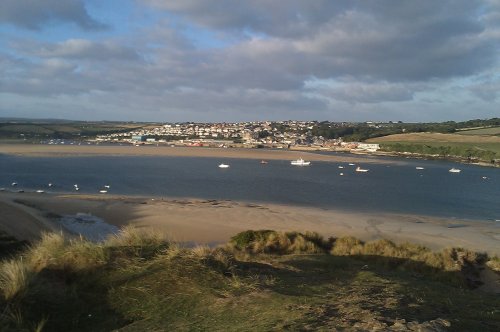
(474, 193)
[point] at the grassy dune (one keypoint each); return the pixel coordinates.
(259, 281)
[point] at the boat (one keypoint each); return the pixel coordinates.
(263, 162)
(13, 184)
(107, 186)
(363, 170)
(300, 162)
(341, 166)
(40, 191)
(223, 166)
(351, 164)
(103, 191)
(341, 174)
(419, 167)
(454, 170)
(50, 184)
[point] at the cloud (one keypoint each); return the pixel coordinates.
(34, 14)
(87, 49)
(284, 59)
(384, 39)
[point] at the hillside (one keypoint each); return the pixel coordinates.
(485, 148)
(260, 281)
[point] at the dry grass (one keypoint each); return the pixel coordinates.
(15, 276)
(346, 246)
(494, 263)
(55, 251)
(271, 242)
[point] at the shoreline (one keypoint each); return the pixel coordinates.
(213, 222)
(41, 150)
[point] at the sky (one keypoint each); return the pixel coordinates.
(228, 60)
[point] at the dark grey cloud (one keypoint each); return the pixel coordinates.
(34, 14)
(390, 40)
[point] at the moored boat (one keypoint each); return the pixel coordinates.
(223, 166)
(300, 162)
(362, 170)
(454, 170)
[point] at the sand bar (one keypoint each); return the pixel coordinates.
(42, 150)
(215, 221)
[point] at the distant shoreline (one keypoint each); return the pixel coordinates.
(41, 150)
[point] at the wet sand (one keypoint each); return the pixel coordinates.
(214, 221)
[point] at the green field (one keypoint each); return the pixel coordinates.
(458, 146)
(482, 131)
(260, 281)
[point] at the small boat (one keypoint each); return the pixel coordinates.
(341, 166)
(454, 170)
(223, 166)
(103, 191)
(300, 162)
(263, 162)
(419, 167)
(40, 191)
(50, 184)
(363, 170)
(341, 174)
(351, 164)
(485, 178)
(13, 184)
(75, 185)
(107, 186)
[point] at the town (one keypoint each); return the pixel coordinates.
(302, 135)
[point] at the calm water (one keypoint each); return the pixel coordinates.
(385, 188)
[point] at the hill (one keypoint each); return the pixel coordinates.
(484, 148)
(260, 281)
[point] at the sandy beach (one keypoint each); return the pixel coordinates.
(212, 222)
(42, 150)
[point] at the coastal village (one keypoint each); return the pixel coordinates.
(263, 134)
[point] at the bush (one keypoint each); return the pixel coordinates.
(271, 242)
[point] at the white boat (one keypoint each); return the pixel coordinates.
(14, 184)
(419, 167)
(223, 166)
(107, 186)
(454, 170)
(341, 166)
(300, 162)
(40, 191)
(50, 184)
(341, 174)
(363, 170)
(103, 191)
(351, 164)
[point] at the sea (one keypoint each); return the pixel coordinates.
(387, 187)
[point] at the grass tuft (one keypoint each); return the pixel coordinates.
(15, 277)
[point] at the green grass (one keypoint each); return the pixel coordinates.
(481, 131)
(482, 151)
(260, 281)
